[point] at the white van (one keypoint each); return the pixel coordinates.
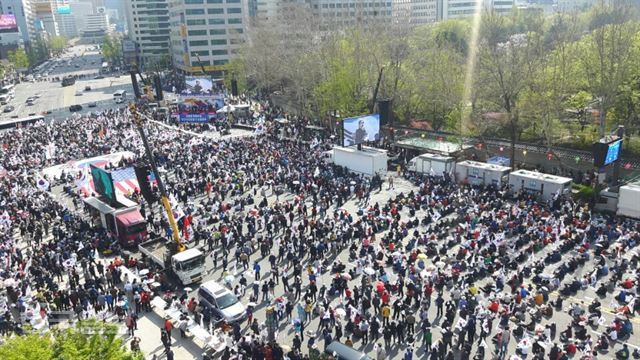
(120, 96)
(221, 301)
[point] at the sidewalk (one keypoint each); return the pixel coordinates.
(149, 325)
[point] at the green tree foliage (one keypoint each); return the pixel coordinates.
(537, 77)
(29, 347)
(89, 340)
(112, 49)
(18, 58)
(37, 52)
(57, 44)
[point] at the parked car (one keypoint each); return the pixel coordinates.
(74, 108)
(224, 304)
(8, 108)
(92, 104)
(87, 88)
(341, 351)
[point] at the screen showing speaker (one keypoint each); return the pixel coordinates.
(358, 130)
(606, 152)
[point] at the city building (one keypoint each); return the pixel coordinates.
(79, 12)
(65, 19)
(10, 41)
(148, 27)
(117, 13)
(452, 9)
(96, 26)
(345, 13)
(24, 18)
(332, 14)
(418, 12)
(206, 34)
(45, 20)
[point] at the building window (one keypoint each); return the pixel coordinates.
(238, 31)
(200, 53)
(235, 21)
(234, 10)
(218, 52)
(233, 1)
(219, 42)
(214, 1)
(188, 2)
(220, 62)
(217, 32)
(215, 11)
(198, 43)
(216, 22)
(194, 22)
(197, 32)
(195, 12)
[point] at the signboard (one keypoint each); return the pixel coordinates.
(128, 46)
(64, 10)
(8, 22)
(194, 118)
(43, 8)
(195, 110)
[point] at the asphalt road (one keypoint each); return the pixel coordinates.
(54, 98)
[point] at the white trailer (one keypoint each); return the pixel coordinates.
(432, 164)
(629, 201)
(545, 185)
(479, 173)
(368, 161)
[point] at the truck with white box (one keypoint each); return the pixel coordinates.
(479, 173)
(545, 185)
(629, 201)
(368, 161)
(432, 164)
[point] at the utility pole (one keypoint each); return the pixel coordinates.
(137, 119)
(375, 91)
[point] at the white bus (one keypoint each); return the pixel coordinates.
(15, 123)
(120, 96)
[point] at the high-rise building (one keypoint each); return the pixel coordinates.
(65, 19)
(10, 41)
(415, 12)
(80, 11)
(452, 9)
(44, 13)
(96, 25)
(206, 34)
(339, 13)
(24, 18)
(148, 27)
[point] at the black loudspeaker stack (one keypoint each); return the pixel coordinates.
(142, 174)
(386, 114)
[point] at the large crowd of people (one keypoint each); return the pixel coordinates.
(436, 270)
